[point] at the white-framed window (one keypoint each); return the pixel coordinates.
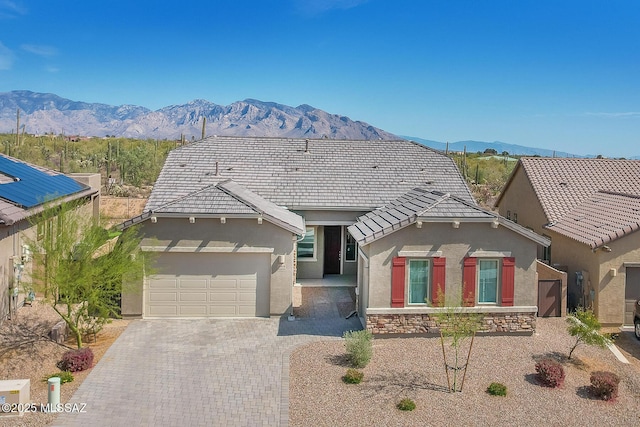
(350, 248)
(308, 246)
(488, 281)
(419, 275)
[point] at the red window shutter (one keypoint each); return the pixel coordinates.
(508, 280)
(398, 281)
(438, 280)
(469, 282)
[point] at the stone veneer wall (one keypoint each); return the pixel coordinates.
(426, 323)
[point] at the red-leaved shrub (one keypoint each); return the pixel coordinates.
(550, 372)
(604, 385)
(76, 360)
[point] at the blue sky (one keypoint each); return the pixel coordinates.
(563, 75)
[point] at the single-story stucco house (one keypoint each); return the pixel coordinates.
(24, 191)
(590, 209)
(235, 223)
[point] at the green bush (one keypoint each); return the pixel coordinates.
(406, 404)
(497, 389)
(604, 385)
(65, 377)
(353, 376)
(359, 347)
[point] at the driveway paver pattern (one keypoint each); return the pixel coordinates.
(200, 372)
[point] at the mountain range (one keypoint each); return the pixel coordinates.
(42, 113)
(48, 113)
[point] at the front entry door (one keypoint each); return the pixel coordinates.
(332, 245)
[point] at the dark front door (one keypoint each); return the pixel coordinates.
(332, 244)
(549, 298)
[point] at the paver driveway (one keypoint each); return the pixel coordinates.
(206, 372)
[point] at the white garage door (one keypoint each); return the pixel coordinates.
(208, 285)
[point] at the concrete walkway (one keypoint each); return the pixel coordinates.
(206, 372)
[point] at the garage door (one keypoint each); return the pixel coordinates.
(209, 285)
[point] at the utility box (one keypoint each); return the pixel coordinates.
(14, 395)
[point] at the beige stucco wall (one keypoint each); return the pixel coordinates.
(455, 245)
(608, 290)
(520, 199)
(12, 239)
(94, 181)
(209, 234)
(611, 295)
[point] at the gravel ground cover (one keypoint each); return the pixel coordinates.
(413, 368)
(37, 356)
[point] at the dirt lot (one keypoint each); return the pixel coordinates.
(114, 210)
(26, 352)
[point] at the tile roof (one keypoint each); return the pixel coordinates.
(561, 184)
(226, 198)
(603, 217)
(428, 206)
(28, 186)
(308, 174)
(575, 193)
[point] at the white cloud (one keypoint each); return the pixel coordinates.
(40, 50)
(10, 9)
(6, 57)
(623, 114)
(317, 7)
(52, 69)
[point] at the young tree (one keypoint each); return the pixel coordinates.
(82, 271)
(585, 328)
(457, 326)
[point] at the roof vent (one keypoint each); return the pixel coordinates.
(217, 169)
(306, 145)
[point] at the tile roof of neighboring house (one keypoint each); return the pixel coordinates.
(561, 184)
(428, 206)
(308, 174)
(33, 185)
(226, 198)
(567, 188)
(603, 217)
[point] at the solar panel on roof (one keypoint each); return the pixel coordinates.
(32, 187)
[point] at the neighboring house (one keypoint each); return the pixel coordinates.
(590, 209)
(24, 189)
(236, 222)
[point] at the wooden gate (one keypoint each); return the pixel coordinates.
(549, 298)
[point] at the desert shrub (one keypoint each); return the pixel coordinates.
(406, 404)
(76, 360)
(65, 377)
(550, 372)
(359, 347)
(353, 376)
(604, 385)
(497, 389)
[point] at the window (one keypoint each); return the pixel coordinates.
(515, 217)
(350, 248)
(307, 246)
(418, 281)
(508, 214)
(488, 281)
